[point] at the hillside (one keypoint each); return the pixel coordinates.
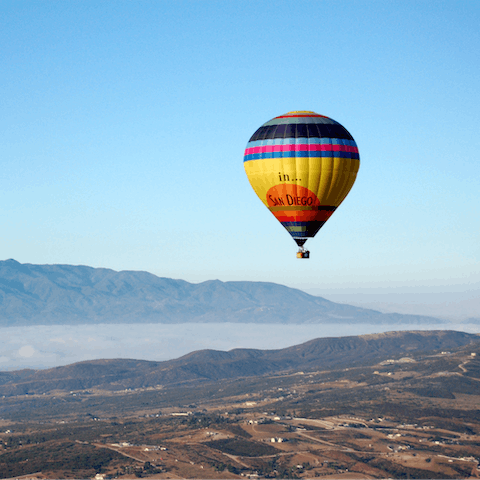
(67, 294)
(408, 409)
(212, 365)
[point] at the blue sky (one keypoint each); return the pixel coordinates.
(123, 128)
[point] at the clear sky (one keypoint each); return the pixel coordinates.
(123, 127)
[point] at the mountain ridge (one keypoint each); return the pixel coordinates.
(66, 294)
(214, 365)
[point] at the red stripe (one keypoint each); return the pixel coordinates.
(301, 147)
(301, 116)
(303, 216)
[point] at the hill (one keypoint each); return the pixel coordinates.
(67, 294)
(408, 409)
(212, 365)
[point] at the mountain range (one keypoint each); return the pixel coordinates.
(213, 365)
(71, 295)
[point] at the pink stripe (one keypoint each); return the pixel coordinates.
(301, 148)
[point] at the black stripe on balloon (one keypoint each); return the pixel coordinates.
(301, 130)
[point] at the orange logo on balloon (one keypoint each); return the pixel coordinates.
(291, 195)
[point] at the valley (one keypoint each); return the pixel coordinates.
(414, 415)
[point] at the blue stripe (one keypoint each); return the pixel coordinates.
(300, 154)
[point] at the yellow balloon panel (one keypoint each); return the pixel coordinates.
(330, 179)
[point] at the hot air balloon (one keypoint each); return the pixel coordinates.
(302, 166)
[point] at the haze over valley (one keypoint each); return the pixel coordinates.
(52, 315)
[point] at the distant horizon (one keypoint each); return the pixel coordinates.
(454, 303)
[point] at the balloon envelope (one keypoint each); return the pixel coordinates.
(302, 165)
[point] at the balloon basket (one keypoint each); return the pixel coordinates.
(302, 253)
